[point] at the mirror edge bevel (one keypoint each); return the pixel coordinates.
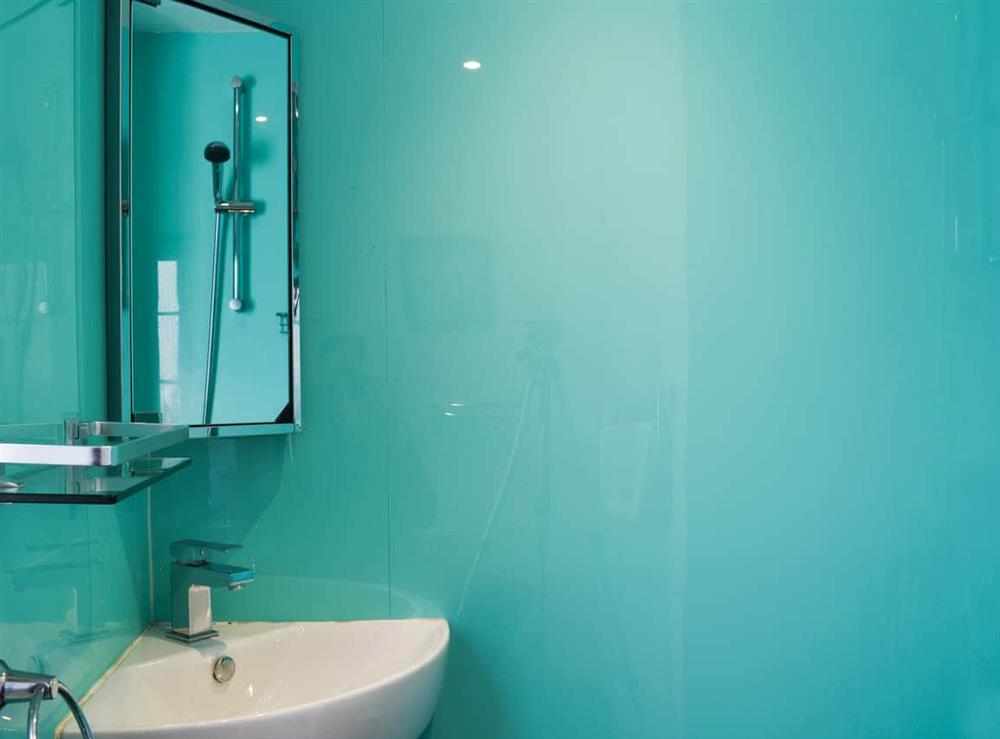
(118, 157)
(295, 275)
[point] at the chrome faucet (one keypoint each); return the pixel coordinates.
(192, 578)
(17, 686)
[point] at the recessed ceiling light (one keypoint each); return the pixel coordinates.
(261, 119)
(472, 64)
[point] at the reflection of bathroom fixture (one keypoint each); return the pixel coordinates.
(192, 578)
(500, 494)
(237, 207)
(33, 688)
(218, 153)
(159, 332)
(540, 359)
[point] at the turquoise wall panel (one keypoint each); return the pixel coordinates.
(656, 355)
(538, 357)
(842, 420)
(74, 582)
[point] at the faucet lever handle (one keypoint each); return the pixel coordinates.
(187, 551)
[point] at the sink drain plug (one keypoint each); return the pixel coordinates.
(224, 669)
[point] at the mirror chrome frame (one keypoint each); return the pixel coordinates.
(118, 225)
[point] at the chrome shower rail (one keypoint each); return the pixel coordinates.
(237, 207)
(136, 440)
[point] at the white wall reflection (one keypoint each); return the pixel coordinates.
(168, 337)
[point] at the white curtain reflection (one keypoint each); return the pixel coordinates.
(168, 337)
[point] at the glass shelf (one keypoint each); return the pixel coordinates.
(92, 462)
(87, 485)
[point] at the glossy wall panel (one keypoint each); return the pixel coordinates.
(538, 355)
(74, 583)
(657, 355)
(842, 415)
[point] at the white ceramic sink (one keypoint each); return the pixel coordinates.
(322, 680)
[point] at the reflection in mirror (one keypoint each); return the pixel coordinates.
(210, 215)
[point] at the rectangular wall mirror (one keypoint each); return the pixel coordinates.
(201, 181)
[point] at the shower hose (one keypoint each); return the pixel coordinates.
(35, 706)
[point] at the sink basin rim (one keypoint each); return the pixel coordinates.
(437, 648)
(441, 637)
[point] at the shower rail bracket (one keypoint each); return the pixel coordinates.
(241, 207)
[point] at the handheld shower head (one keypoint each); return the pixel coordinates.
(217, 152)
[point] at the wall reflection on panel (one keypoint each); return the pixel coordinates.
(537, 397)
(449, 282)
(38, 211)
(73, 581)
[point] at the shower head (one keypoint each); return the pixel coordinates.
(217, 153)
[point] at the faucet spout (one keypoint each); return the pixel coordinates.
(192, 578)
(216, 575)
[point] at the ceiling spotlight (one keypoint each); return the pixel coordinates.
(472, 64)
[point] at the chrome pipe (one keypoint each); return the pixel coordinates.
(237, 131)
(236, 303)
(34, 708)
(17, 686)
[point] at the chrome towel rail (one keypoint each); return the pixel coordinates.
(135, 440)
